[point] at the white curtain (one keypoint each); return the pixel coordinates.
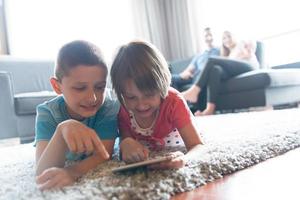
(169, 25)
(3, 33)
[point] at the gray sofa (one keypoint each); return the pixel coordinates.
(276, 86)
(24, 83)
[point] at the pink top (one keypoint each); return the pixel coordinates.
(174, 113)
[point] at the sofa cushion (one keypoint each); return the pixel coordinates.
(261, 79)
(285, 77)
(26, 103)
(28, 75)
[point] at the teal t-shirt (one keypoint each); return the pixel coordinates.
(53, 112)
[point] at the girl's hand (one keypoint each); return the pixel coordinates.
(54, 178)
(81, 139)
(133, 151)
(177, 162)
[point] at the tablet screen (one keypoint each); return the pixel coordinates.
(142, 164)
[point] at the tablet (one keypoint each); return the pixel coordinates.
(142, 164)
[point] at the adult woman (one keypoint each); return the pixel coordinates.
(236, 58)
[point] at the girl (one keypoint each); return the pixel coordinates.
(238, 58)
(152, 115)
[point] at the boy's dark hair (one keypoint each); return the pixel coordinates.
(77, 53)
(145, 65)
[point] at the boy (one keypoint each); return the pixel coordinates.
(69, 126)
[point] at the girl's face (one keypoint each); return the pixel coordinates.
(227, 40)
(83, 90)
(143, 105)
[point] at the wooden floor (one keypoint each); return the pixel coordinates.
(276, 178)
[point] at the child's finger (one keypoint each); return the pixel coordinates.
(89, 148)
(154, 166)
(51, 183)
(175, 154)
(45, 176)
(61, 184)
(71, 145)
(135, 157)
(100, 147)
(146, 153)
(80, 148)
(162, 165)
(140, 156)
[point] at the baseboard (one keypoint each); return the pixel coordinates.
(28, 139)
(285, 106)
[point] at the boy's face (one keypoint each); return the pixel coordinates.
(83, 90)
(143, 105)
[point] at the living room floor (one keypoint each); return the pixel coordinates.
(272, 179)
(276, 178)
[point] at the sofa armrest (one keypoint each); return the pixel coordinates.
(289, 65)
(8, 126)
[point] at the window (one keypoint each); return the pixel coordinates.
(274, 23)
(39, 28)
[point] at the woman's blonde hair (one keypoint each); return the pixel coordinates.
(144, 64)
(225, 51)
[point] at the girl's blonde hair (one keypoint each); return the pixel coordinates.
(144, 64)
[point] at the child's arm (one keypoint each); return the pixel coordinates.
(69, 135)
(55, 177)
(131, 150)
(193, 143)
(77, 138)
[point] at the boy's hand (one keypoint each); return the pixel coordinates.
(54, 178)
(133, 151)
(81, 139)
(177, 162)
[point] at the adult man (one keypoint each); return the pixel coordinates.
(190, 74)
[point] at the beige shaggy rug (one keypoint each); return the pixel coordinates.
(233, 142)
